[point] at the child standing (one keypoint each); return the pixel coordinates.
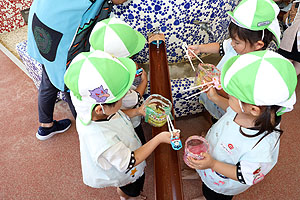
(253, 26)
(111, 152)
(117, 38)
(244, 143)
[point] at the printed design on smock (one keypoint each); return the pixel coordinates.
(220, 175)
(133, 171)
(228, 148)
(219, 183)
(258, 176)
(99, 94)
(43, 39)
(47, 39)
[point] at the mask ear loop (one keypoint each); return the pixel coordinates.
(241, 106)
(102, 109)
(263, 35)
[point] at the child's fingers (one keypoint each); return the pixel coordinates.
(176, 133)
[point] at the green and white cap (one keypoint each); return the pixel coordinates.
(261, 78)
(257, 15)
(114, 36)
(96, 78)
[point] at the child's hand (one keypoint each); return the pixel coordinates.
(195, 48)
(141, 110)
(206, 162)
(144, 76)
(212, 94)
(165, 136)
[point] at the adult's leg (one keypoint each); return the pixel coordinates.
(46, 100)
(71, 106)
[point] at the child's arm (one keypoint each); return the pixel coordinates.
(142, 86)
(140, 111)
(225, 169)
(221, 101)
(204, 48)
(144, 151)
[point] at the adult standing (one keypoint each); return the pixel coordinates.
(290, 43)
(57, 31)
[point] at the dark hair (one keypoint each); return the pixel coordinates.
(266, 123)
(107, 104)
(250, 36)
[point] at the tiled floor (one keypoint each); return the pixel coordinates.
(32, 169)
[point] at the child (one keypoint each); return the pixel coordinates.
(111, 152)
(108, 36)
(253, 25)
(133, 99)
(290, 44)
(244, 143)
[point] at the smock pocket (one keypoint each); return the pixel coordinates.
(47, 39)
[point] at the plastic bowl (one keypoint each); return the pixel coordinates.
(157, 110)
(194, 146)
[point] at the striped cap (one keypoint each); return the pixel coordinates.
(261, 78)
(257, 15)
(96, 78)
(114, 36)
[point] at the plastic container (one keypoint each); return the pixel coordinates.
(194, 146)
(157, 110)
(206, 73)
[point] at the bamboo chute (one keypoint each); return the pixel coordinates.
(167, 177)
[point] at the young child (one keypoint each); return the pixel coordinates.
(244, 143)
(290, 43)
(253, 26)
(117, 38)
(111, 152)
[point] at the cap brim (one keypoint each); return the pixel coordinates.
(235, 21)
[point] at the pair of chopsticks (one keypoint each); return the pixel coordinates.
(171, 126)
(199, 86)
(186, 49)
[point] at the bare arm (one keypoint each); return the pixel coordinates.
(225, 169)
(221, 101)
(142, 86)
(204, 48)
(140, 111)
(144, 151)
(117, 2)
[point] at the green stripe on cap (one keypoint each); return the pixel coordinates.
(261, 78)
(114, 75)
(72, 73)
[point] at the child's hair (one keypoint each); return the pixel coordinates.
(250, 36)
(266, 122)
(107, 104)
